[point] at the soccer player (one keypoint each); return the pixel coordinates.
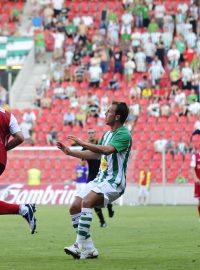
(94, 165)
(9, 127)
(195, 167)
(113, 150)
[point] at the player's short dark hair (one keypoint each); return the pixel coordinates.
(194, 133)
(122, 110)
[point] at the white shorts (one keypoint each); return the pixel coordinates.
(109, 193)
(79, 187)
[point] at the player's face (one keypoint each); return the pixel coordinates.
(110, 115)
(196, 142)
(91, 135)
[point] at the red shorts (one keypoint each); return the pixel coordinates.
(196, 191)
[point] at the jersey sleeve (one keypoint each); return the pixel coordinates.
(13, 126)
(193, 161)
(121, 141)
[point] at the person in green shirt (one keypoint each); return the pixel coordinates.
(192, 96)
(113, 151)
(153, 26)
(180, 178)
(181, 46)
(40, 49)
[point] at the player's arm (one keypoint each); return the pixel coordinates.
(18, 138)
(192, 169)
(16, 133)
(86, 154)
(99, 149)
(196, 179)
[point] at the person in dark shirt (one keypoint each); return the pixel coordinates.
(93, 169)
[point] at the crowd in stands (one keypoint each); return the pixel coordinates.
(132, 50)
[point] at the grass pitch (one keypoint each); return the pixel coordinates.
(141, 238)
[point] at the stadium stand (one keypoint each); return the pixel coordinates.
(87, 31)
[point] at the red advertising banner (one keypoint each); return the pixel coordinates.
(42, 194)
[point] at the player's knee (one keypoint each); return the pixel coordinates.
(86, 203)
(75, 208)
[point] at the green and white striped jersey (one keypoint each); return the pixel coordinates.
(113, 167)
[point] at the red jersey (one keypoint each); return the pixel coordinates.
(197, 170)
(4, 134)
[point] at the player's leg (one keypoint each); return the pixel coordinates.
(75, 213)
(90, 201)
(25, 210)
(198, 207)
(83, 239)
(110, 210)
(99, 213)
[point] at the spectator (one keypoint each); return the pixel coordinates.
(113, 33)
(190, 38)
(59, 92)
(156, 70)
(27, 133)
(165, 109)
(159, 12)
(175, 76)
(40, 46)
(167, 38)
(136, 39)
(135, 91)
(153, 108)
(192, 96)
(173, 56)
(39, 95)
(189, 54)
(93, 108)
(193, 108)
(29, 117)
(129, 67)
(133, 114)
(197, 123)
(80, 118)
(181, 147)
(180, 178)
(164, 145)
(153, 26)
(69, 118)
(149, 50)
(51, 136)
(127, 21)
(186, 76)
(95, 73)
(57, 6)
(140, 60)
(113, 83)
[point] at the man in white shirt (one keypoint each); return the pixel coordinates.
(127, 20)
(186, 74)
(95, 73)
(57, 6)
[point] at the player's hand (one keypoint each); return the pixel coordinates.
(197, 181)
(63, 148)
(75, 139)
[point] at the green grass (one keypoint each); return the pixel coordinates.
(142, 238)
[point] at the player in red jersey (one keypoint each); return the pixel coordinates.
(195, 167)
(9, 127)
